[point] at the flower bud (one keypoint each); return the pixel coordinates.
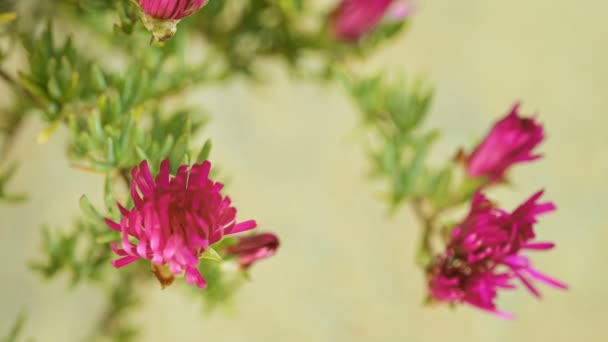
(161, 17)
(511, 141)
(352, 19)
(252, 248)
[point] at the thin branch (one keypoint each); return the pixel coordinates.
(424, 219)
(428, 221)
(6, 77)
(17, 87)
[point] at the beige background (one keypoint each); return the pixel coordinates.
(345, 270)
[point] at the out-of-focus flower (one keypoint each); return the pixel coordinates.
(161, 16)
(484, 254)
(352, 19)
(250, 249)
(174, 221)
(511, 140)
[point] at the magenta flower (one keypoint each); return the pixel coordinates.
(174, 220)
(171, 9)
(161, 17)
(484, 255)
(352, 19)
(510, 141)
(250, 249)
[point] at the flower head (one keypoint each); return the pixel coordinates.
(511, 140)
(174, 220)
(250, 249)
(485, 254)
(161, 16)
(352, 19)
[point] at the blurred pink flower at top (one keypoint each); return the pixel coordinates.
(161, 17)
(171, 9)
(484, 254)
(354, 18)
(251, 249)
(511, 140)
(174, 220)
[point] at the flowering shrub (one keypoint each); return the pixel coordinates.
(165, 217)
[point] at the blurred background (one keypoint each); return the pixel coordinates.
(345, 271)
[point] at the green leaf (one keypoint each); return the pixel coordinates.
(204, 152)
(33, 88)
(108, 196)
(167, 147)
(179, 152)
(468, 187)
(48, 132)
(95, 127)
(110, 155)
(65, 73)
(126, 135)
(88, 209)
(439, 189)
(211, 254)
(142, 154)
(54, 89)
(99, 80)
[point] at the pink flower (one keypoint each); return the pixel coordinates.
(161, 17)
(352, 19)
(510, 141)
(174, 220)
(484, 254)
(454, 281)
(171, 9)
(252, 248)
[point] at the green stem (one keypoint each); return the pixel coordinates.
(425, 253)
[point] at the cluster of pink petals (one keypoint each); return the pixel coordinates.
(484, 255)
(174, 219)
(352, 19)
(511, 140)
(171, 9)
(250, 249)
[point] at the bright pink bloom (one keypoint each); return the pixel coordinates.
(171, 9)
(510, 141)
(354, 18)
(484, 254)
(252, 248)
(174, 219)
